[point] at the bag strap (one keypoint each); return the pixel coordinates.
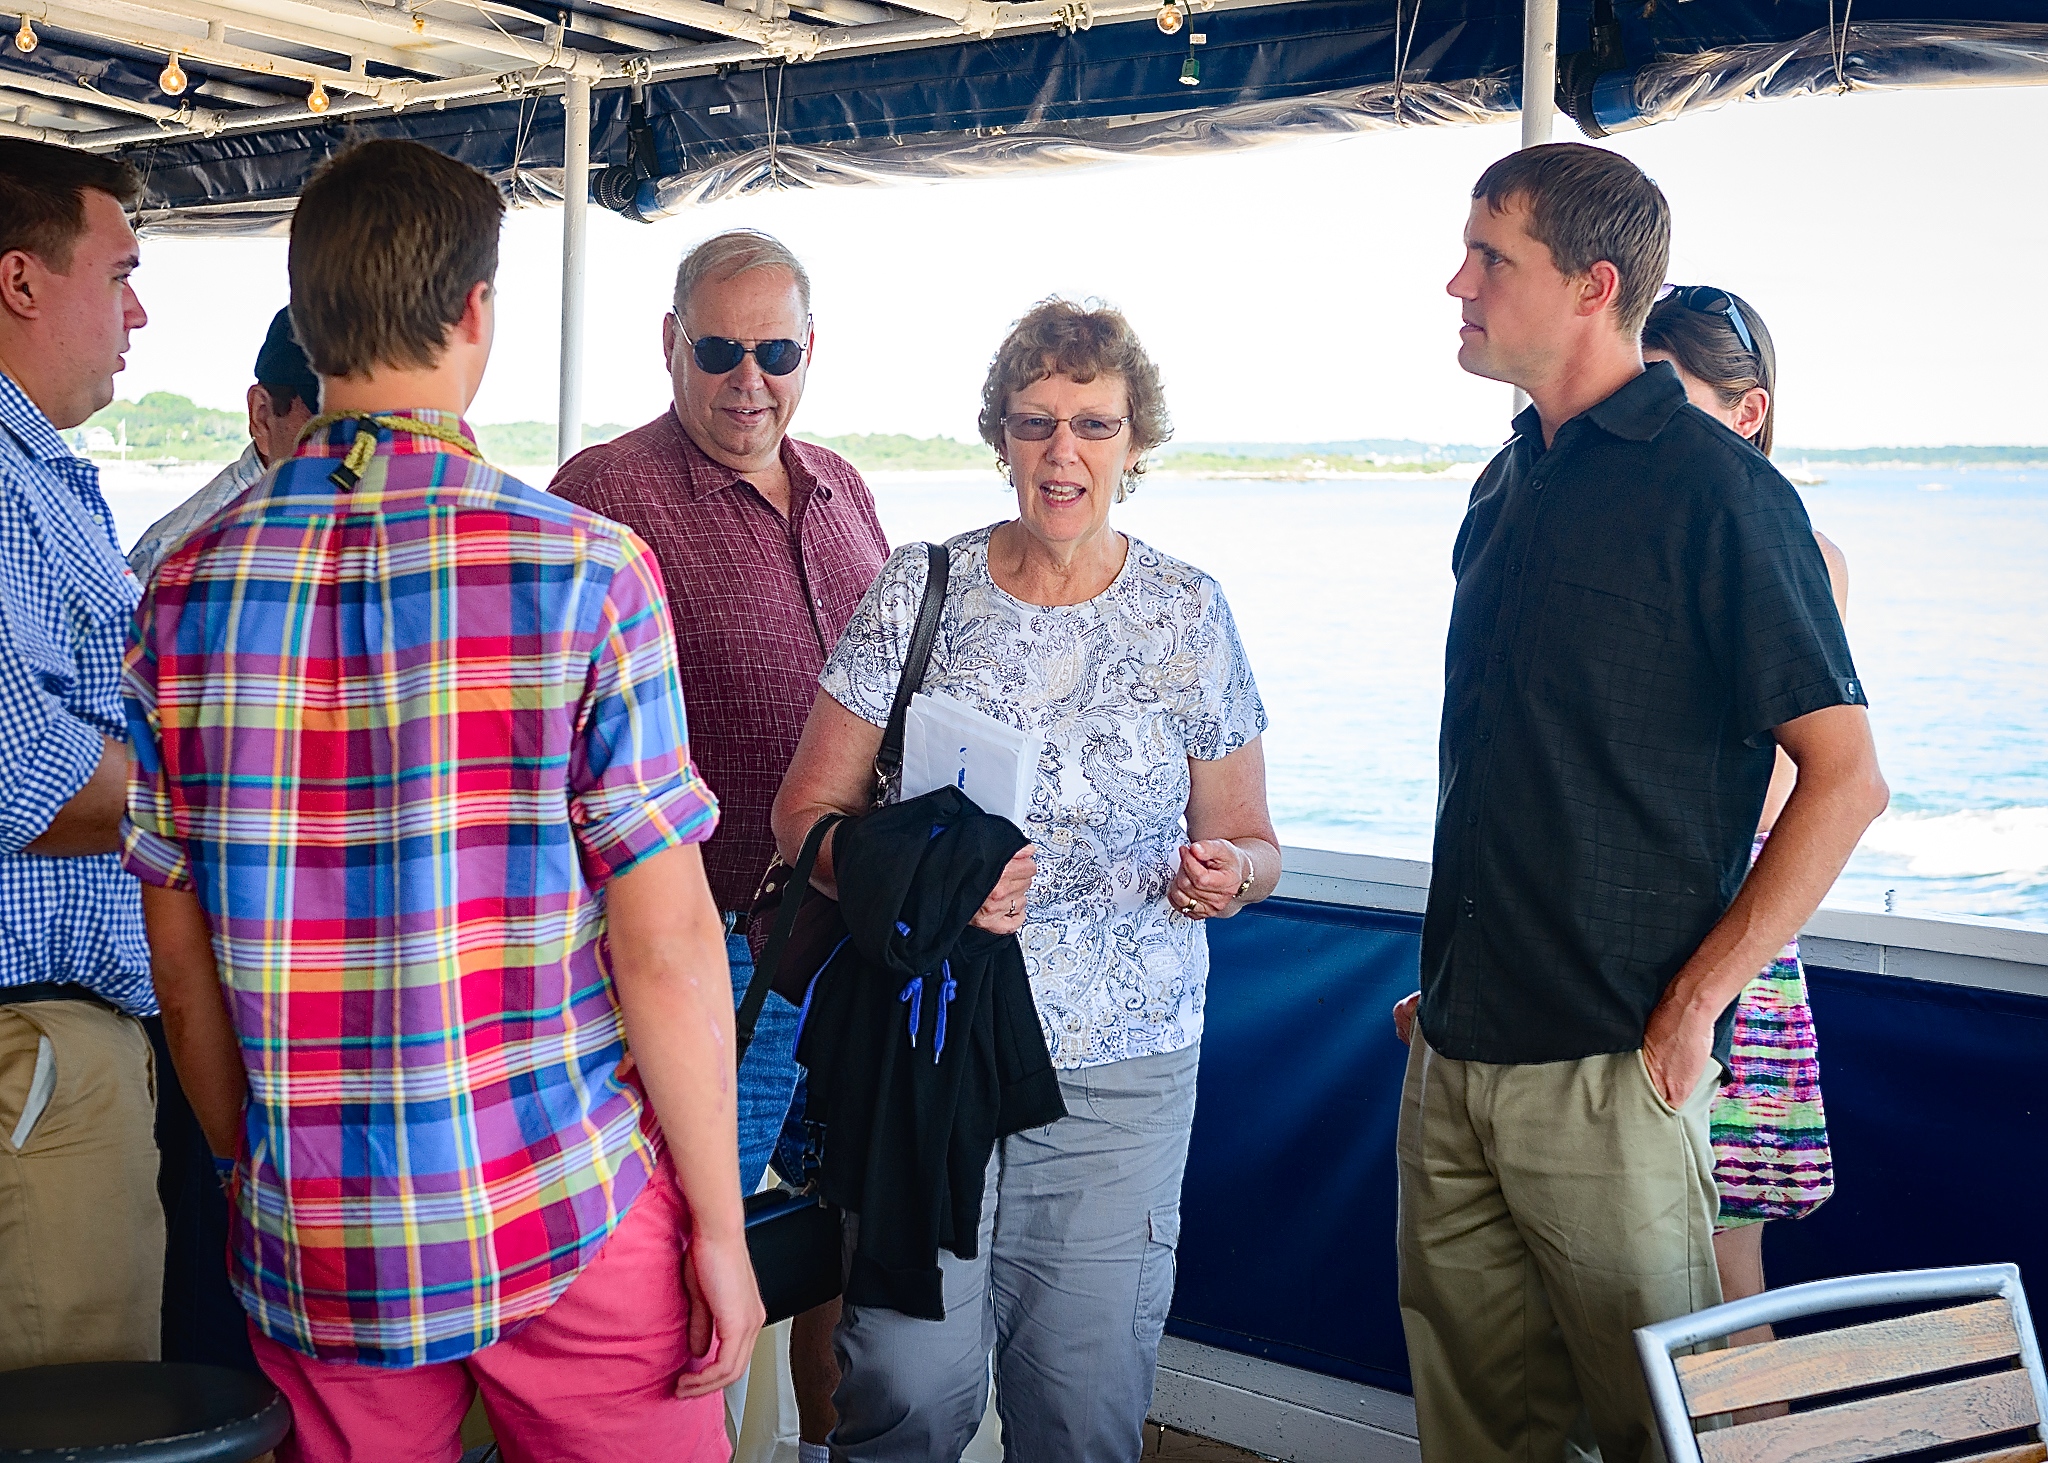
(889, 759)
(749, 1013)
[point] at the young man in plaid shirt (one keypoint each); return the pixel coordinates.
(417, 822)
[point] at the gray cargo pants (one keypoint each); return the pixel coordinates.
(1069, 1290)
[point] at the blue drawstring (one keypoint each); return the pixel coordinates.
(914, 994)
(803, 1013)
(946, 993)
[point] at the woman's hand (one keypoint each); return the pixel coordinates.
(1211, 873)
(1002, 913)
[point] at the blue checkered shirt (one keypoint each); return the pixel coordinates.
(66, 602)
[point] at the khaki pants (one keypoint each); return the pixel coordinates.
(81, 1229)
(1546, 1212)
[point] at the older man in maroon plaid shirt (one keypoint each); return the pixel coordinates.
(767, 545)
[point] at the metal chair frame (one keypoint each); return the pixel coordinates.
(1655, 1344)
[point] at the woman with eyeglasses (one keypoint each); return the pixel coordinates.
(1769, 1126)
(1147, 817)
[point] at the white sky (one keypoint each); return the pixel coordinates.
(1894, 241)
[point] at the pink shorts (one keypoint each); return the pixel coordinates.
(591, 1378)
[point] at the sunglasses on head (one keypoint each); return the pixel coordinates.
(1031, 427)
(1705, 299)
(716, 355)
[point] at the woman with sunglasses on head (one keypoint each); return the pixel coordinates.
(1147, 817)
(1769, 1126)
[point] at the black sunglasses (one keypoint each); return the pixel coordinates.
(716, 355)
(1705, 299)
(1034, 428)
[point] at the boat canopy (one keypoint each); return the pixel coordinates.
(228, 105)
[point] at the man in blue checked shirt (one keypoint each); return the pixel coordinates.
(81, 1229)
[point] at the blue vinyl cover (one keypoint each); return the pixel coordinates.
(1936, 1108)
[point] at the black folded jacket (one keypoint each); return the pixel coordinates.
(921, 1042)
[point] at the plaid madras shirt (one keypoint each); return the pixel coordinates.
(397, 740)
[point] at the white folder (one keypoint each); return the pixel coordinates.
(947, 743)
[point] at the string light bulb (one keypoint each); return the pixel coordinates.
(316, 99)
(171, 81)
(1191, 72)
(25, 39)
(1169, 19)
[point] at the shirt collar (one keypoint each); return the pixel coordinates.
(1637, 412)
(1644, 407)
(336, 439)
(702, 476)
(22, 417)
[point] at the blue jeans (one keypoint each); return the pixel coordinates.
(768, 1076)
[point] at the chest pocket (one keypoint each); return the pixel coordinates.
(1607, 628)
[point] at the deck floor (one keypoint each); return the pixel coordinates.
(1173, 1446)
(1163, 1443)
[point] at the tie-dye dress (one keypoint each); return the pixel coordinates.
(1770, 1130)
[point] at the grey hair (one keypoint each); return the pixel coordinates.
(733, 253)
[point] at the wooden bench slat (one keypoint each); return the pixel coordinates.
(2024, 1453)
(1856, 1356)
(1881, 1427)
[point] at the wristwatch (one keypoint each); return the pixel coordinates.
(1251, 872)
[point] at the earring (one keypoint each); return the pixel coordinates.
(1009, 477)
(1126, 486)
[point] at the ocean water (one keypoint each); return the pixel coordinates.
(1342, 591)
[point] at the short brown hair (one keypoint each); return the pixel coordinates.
(1587, 204)
(1706, 345)
(42, 196)
(387, 241)
(1059, 337)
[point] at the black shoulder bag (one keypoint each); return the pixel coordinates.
(794, 1238)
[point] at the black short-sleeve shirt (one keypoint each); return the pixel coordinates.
(1637, 608)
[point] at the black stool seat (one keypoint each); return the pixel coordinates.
(138, 1412)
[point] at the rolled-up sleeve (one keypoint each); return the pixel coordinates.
(150, 848)
(46, 752)
(633, 790)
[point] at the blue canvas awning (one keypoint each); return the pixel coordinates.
(735, 95)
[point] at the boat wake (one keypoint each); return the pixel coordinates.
(1976, 843)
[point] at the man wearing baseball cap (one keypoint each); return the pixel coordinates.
(282, 401)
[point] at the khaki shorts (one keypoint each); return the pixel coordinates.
(81, 1229)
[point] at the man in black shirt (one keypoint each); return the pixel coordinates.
(1642, 615)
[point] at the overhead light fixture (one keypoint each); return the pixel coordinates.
(1169, 19)
(171, 81)
(1191, 72)
(25, 39)
(316, 99)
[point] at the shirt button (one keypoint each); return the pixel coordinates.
(1515, 567)
(1471, 820)
(1486, 736)
(1499, 656)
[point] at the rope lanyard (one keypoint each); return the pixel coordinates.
(364, 447)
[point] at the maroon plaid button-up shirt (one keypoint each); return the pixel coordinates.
(757, 601)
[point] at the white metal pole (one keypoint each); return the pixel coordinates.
(575, 214)
(1539, 90)
(1539, 70)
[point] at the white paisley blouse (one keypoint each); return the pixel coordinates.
(1121, 690)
